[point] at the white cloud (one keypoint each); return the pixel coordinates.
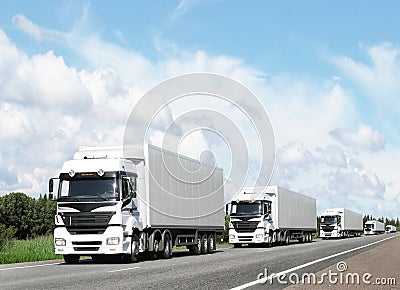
(365, 138)
(380, 78)
(348, 182)
(332, 156)
(32, 29)
(291, 159)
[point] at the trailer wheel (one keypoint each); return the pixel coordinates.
(287, 238)
(211, 244)
(156, 246)
(196, 249)
(166, 254)
(204, 244)
(71, 259)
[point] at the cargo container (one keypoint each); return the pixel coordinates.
(141, 200)
(340, 222)
(271, 215)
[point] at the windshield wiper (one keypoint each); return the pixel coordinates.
(68, 198)
(93, 197)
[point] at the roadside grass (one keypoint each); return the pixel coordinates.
(37, 249)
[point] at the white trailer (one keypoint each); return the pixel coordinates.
(271, 215)
(143, 200)
(340, 222)
(374, 228)
(390, 229)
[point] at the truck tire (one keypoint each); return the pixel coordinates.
(156, 246)
(270, 239)
(287, 238)
(204, 244)
(196, 249)
(166, 253)
(211, 244)
(71, 259)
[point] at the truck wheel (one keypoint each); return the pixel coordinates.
(310, 237)
(287, 238)
(71, 259)
(204, 244)
(134, 249)
(270, 239)
(196, 249)
(156, 246)
(166, 254)
(211, 244)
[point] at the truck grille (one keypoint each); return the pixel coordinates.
(86, 249)
(86, 223)
(245, 238)
(245, 226)
(327, 228)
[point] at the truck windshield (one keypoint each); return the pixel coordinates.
(246, 209)
(369, 226)
(103, 189)
(328, 219)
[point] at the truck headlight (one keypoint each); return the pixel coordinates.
(231, 237)
(259, 236)
(112, 241)
(59, 242)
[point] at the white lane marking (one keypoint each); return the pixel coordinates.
(270, 277)
(29, 266)
(126, 269)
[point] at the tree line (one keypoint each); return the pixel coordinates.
(23, 217)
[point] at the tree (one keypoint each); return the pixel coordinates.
(16, 211)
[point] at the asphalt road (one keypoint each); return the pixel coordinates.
(227, 268)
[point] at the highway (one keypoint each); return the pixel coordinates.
(225, 269)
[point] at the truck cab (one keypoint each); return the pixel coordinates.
(250, 220)
(96, 208)
(331, 225)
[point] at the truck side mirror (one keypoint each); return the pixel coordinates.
(51, 186)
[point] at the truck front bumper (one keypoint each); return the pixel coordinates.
(256, 237)
(110, 242)
(332, 234)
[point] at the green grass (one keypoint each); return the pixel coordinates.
(38, 249)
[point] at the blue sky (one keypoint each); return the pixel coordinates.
(326, 71)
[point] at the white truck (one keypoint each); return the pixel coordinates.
(271, 215)
(340, 222)
(145, 202)
(374, 227)
(390, 229)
